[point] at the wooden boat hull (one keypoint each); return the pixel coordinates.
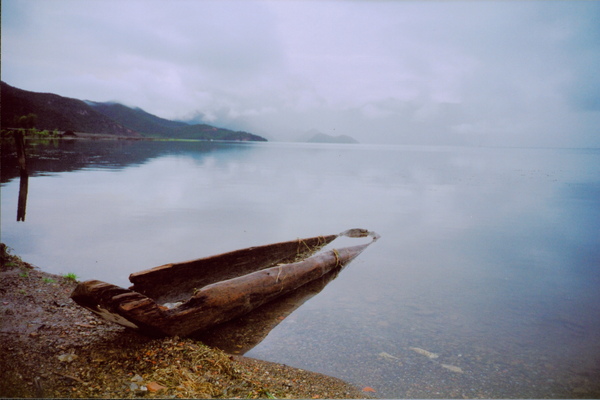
(241, 334)
(216, 289)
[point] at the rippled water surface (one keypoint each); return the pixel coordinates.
(484, 282)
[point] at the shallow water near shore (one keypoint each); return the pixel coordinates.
(488, 261)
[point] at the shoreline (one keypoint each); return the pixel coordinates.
(7, 133)
(50, 347)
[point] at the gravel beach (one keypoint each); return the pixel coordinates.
(50, 347)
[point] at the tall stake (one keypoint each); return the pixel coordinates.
(22, 205)
(20, 142)
(24, 182)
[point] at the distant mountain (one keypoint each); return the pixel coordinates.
(153, 126)
(207, 132)
(314, 136)
(136, 118)
(56, 112)
(62, 113)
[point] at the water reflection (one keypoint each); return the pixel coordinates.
(488, 257)
(242, 334)
(55, 156)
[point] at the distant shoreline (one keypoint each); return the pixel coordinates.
(6, 134)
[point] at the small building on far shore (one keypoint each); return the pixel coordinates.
(69, 134)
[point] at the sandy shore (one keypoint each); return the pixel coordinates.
(50, 347)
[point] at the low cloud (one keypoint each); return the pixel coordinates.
(501, 73)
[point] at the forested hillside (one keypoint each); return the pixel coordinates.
(56, 112)
(53, 112)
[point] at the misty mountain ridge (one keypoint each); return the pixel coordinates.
(315, 136)
(111, 118)
(136, 118)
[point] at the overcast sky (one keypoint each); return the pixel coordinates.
(400, 72)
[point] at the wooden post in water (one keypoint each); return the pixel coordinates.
(23, 187)
(20, 142)
(24, 183)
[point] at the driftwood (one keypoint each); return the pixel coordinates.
(184, 298)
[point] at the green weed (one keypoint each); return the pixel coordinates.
(70, 276)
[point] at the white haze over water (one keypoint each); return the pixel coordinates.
(391, 72)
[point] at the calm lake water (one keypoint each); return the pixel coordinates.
(488, 257)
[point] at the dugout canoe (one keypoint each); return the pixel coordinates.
(181, 299)
(243, 333)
